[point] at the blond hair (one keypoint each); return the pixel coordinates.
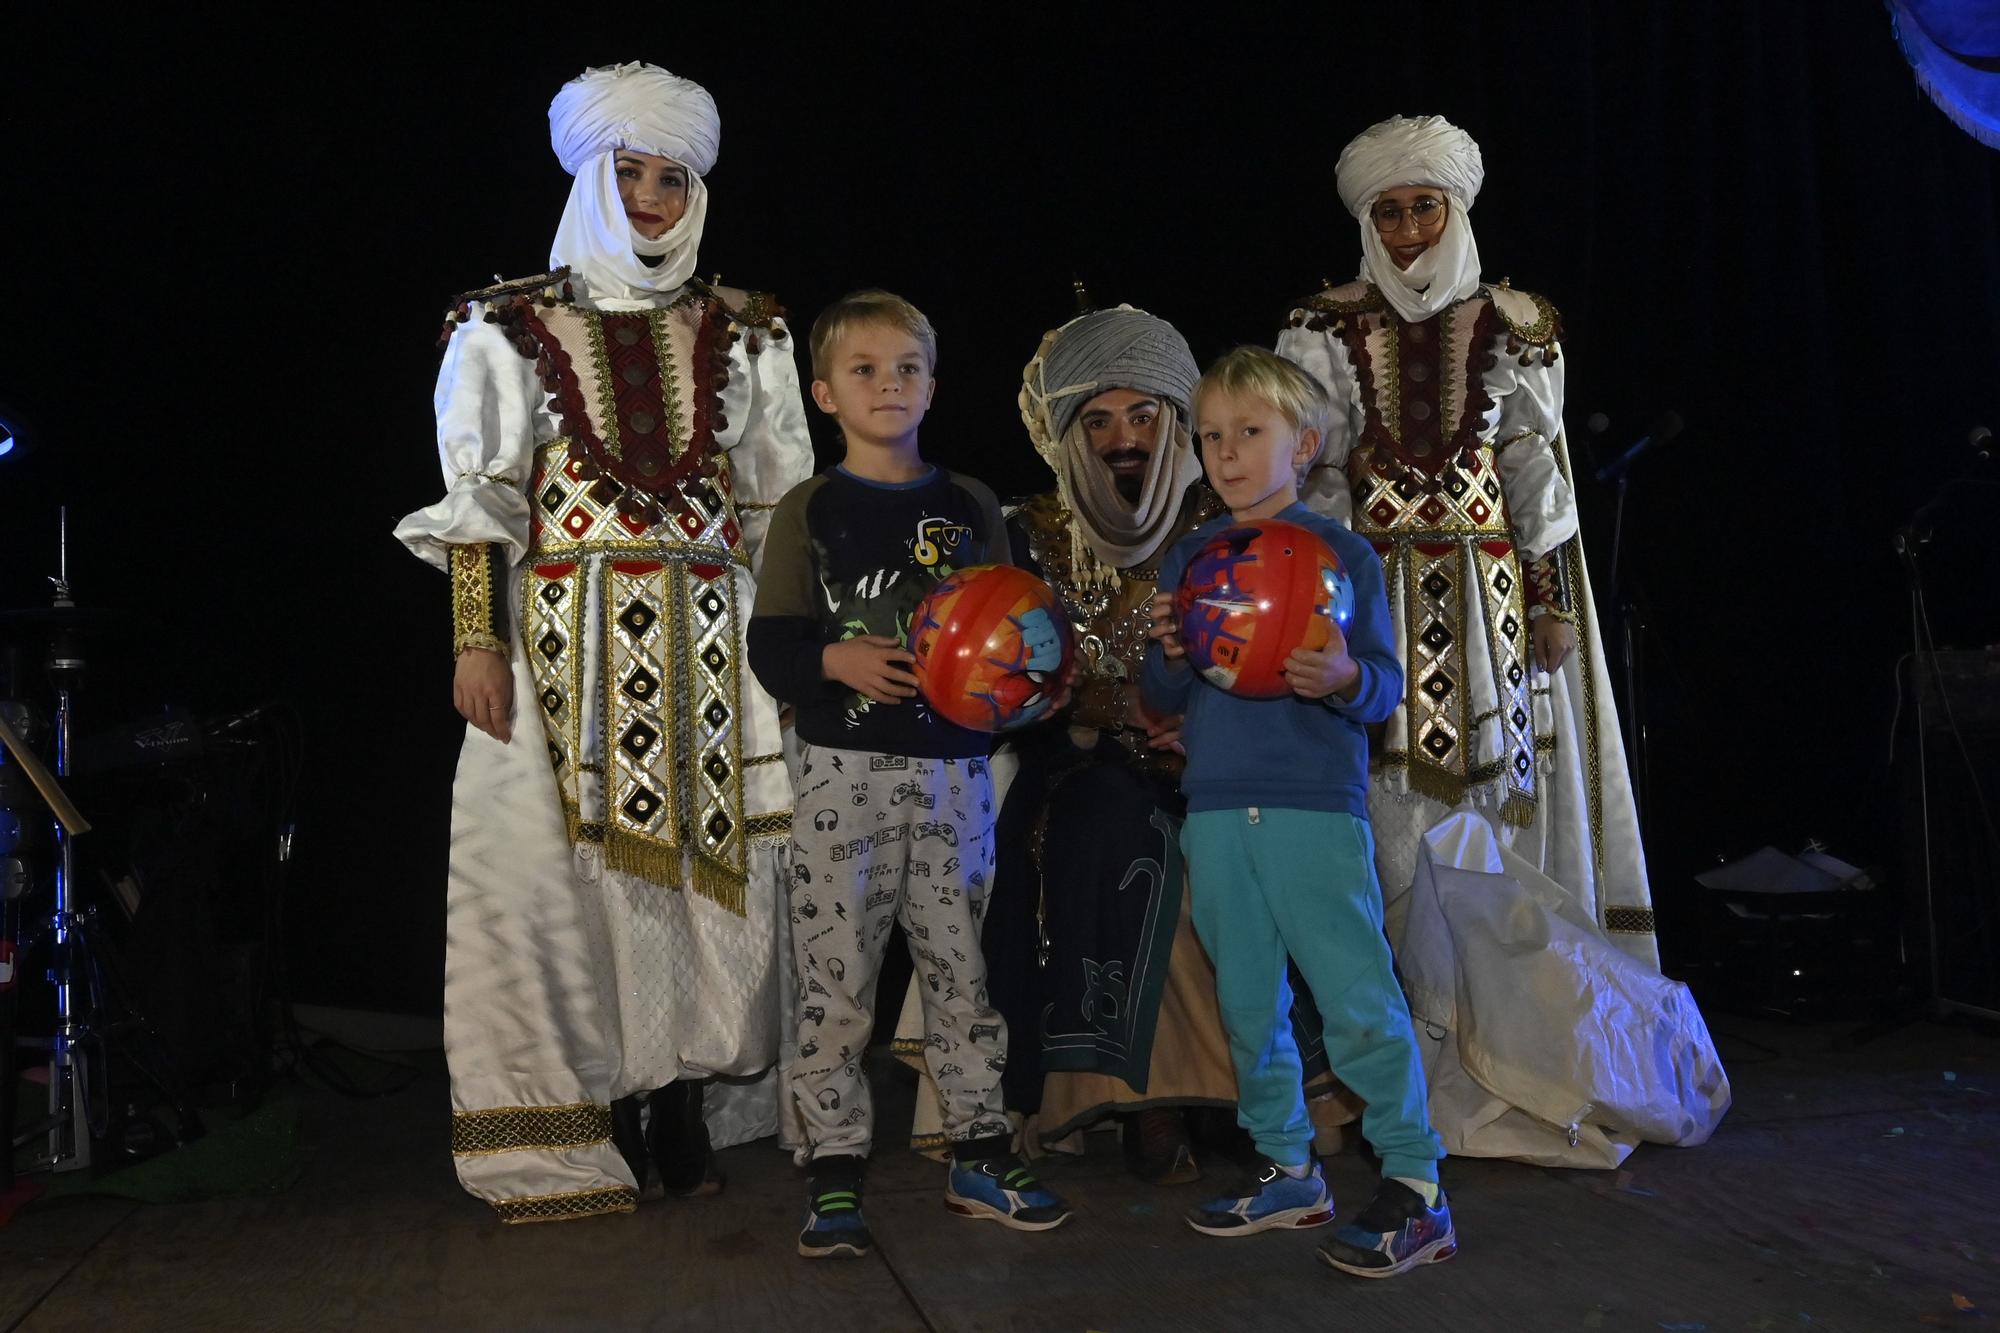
(870, 306)
(1254, 372)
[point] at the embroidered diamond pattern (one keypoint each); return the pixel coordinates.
(553, 593)
(1435, 585)
(1519, 719)
(638, 739)
(1510, 626)
(553, 497)
(641, 684)
(1383, 513)
(641, 804)
(1438, 685)
(1514, 673)
(552, 701)
(1478, 511)
(709, 604)
(1438, 744)
(551, 645)
(717, 714)
(1436, 638)
(719, 826)
(1503, 582)
(637, 618)
(717, 768)
(1431, 510)
(1492, 489)
(714, 658)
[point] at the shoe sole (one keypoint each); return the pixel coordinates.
(840, 1251)
(1434, 1253)
(1291, 1219)
(973, 1208)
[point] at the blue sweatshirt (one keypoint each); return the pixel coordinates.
(1290, 753)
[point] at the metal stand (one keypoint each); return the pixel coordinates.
(1909, 541)
(1631, 637)
(68, 1122)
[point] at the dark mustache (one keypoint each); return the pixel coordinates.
(1126, 456)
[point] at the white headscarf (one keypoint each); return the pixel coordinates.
(1421, 150)
(642, 107)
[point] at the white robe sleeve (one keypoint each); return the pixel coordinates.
(491, 414)
(1540, 504)
(769, 449)
(1326, 490)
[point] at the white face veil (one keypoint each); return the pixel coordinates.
(1422, 150)
(641, 107)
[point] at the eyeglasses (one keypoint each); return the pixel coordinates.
(1427, 213)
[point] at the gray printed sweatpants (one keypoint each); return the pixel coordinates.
(876, 839)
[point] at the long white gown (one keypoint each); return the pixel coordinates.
(613, 916)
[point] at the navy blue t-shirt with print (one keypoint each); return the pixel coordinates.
(846, 556)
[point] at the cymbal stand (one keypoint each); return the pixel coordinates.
(68, 1123)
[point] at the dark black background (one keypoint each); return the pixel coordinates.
(228, 248)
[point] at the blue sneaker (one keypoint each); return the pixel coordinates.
(1395, 1233)
(1269, 1199)
(834, 1229)
(1006, 1191)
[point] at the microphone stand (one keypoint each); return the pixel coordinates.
(1631, 618)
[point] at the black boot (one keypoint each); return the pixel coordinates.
(677, 1137)
(629, 1139)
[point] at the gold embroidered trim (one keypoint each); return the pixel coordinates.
(522, 1128)
(746, 506)
(1629, 920)
(757, 759)
(774, 825)
(1547, 320)
(563, 1207)
(476, 599)
(1326, 303)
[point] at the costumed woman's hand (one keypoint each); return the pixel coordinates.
(871, 664)
(1166, 626)
(1162, 733)
(1316, 673)
(1554, 640)
(482, 690)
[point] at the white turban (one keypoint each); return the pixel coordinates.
(641, 107)
(1421, 150)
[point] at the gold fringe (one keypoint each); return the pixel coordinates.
(719, 884)
(634, 854)
(660, 862)
(1442, 787)
(1518, 810)
(524, 1128)
(564, 1207)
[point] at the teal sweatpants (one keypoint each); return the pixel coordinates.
(1267, 883)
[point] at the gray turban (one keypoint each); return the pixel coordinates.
(1121, 348)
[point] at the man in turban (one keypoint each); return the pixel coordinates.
(1089, 945)
(1446, 451)
(613, 436)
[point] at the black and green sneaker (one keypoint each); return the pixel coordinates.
(834, 1227)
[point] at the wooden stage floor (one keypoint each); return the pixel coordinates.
(1852, 1188)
